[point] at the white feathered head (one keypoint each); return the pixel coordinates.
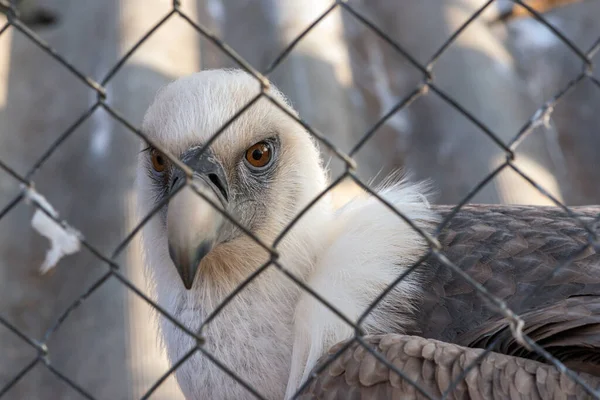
(262, 170)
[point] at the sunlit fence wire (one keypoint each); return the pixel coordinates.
(426, 87)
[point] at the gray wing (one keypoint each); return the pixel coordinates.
(511, 250)
(569, 329)
(432, 364)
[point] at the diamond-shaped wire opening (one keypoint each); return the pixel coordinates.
(38, 136)
(383, 86)
(38, 41)
(486, 74)
(428, 82)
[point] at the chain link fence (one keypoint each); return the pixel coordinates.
(425, 88)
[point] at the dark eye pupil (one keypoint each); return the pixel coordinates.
(257, 154)
(159, 160)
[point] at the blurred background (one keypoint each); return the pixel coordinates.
(342, 77)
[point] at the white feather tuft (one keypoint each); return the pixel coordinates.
(369, 246)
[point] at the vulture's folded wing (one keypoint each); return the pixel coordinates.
(434, 365)
(569, 329)
(512, 251)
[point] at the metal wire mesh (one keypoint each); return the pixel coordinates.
(426, 86)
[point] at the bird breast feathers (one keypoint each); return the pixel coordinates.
(370, 246)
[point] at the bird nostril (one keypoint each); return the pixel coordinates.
(215, 181)
(175, 179)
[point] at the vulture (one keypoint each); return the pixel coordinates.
(255, 179)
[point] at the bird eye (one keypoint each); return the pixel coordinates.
(159, 162)
(259, 155)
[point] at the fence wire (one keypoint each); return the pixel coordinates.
(426, 86)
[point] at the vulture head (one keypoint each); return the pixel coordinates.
(262, 170)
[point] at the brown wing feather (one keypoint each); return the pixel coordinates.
(432, 364)
(511, 250)
(569, 329)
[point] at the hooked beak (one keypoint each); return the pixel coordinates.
(193, 224)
